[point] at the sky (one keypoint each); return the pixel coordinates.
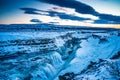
(93, 13)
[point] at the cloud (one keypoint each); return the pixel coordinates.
(78, 6)
(108, 19)
(83, 8)
(35, 20)
(53, 22)
(111, 18)
(105, 22)
(61, 15)
(30, 10)
(101, 22)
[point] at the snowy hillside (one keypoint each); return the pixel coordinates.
(61, 53)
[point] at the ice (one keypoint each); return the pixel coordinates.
(47, 55)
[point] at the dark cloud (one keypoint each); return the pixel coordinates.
(84, 9)
(101, 21)
(35, 20)
(111, 18)
(78, 6)
(108, 19)
(106, 22)
(66, 16)
(61, 15)
(53, 22)
(30, 10)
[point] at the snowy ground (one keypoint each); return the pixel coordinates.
(68, 54)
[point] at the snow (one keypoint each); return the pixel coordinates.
(45, 55)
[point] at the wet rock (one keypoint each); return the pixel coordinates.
(67, 76)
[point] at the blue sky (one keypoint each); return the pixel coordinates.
(62, 12)
(105, 6)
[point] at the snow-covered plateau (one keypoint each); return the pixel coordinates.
(47, 52)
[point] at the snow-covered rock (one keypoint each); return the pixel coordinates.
(61, 53)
